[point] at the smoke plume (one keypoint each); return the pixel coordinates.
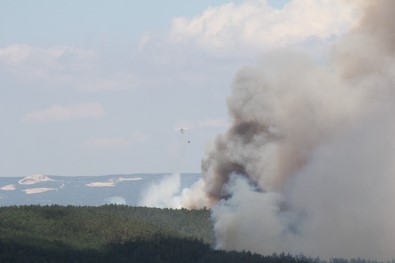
(169, 193)
(307, 165)
(162, 194)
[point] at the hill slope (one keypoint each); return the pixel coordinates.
(113, 233)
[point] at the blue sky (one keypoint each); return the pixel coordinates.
(98, 87)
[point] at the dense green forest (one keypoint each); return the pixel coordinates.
(114, 233)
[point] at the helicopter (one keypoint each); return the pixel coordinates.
(182, 131)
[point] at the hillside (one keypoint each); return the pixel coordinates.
(116, 233)
(111, 233)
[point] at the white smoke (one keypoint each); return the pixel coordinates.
(346, 193)
(307, 165)
(233, 219)
(167, 193)
(116, 200)
(162, 194)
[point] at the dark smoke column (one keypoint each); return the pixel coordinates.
(276, 113)
(307, 165)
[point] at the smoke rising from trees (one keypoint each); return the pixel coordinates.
(307, 165)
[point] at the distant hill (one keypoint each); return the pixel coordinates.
(81, 190)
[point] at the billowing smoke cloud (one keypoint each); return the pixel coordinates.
(167, 193)
(163, 194)
(307, 165)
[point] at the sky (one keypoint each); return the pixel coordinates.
(99, 87)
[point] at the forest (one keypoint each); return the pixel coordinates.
(118, 233)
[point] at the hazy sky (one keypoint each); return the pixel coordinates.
(98, 87)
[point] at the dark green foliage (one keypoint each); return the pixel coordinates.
(94, 227)
(117, 234)
(100, 234)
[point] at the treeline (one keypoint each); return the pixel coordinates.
(95, 227)
(114, 233)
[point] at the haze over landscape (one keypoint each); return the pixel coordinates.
(288, 104)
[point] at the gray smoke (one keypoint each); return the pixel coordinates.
(308, 163)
